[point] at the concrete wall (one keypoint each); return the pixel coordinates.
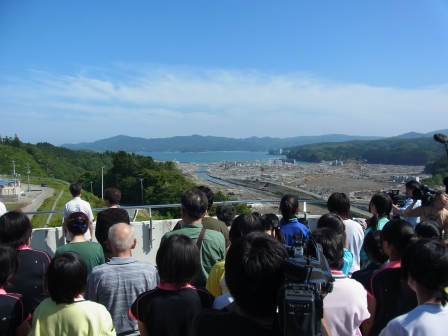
(148, 237)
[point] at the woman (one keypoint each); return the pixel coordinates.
(109, 217)
(388, 296)
(14, 316)
(65, 312)
(170, 307)
(92, 252)
(435, 212)
(289, 207)
(380, 207)
(425, 269)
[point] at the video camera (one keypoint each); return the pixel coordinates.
(307, 277)
(425, 194)
(397, 198)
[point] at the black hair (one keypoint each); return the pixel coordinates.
(339, 203)
(398, 233)
(428, 229)
(178, 260)
(66, 277)
(289, 205)
(75, 189)
(374, 248)
(15, 228)
(383, 205)
(412, 185)
(9, 264)
(426, 261)
(78, 223)
(272, 223)
(226, 213)
(112, 195)
(245, 224)
(210, 195)
(194, 203)
(254, 273)
(332, 246)
(331, 221)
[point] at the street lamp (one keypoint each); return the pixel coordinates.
(141, 184)
(91, 188)
(28, 172)
(102, 182)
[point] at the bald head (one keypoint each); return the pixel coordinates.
(121, 238)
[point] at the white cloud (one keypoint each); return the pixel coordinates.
(164, 102)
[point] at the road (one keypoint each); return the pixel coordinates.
(35, 197)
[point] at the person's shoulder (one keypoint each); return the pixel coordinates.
(212, 222)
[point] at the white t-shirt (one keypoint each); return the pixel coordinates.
(424, 320)
(355, 238)
(346, 306)
(78, 205)
(2, 209)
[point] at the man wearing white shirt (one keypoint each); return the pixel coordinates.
(410, 187)
(77, 205)
(2, 209)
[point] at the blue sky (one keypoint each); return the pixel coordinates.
(75, 71)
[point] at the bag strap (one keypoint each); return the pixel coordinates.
(200, 238)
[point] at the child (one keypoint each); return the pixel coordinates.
(13, 316)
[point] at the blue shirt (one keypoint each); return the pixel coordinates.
(293, 226)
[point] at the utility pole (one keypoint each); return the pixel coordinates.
(28, 173)
(102, 182)
(13, 168)
(91, 188)
(141, 184)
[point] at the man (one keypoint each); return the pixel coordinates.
(208, 222)
(339, 204)
(410, 187)
(117, 283)
(254, 274)
(212, 247)
(77, 205)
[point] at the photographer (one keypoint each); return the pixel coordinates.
(435, 212)
(410, 187)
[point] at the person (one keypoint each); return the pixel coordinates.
(428, 229)
(2, 208)
(15, 230)
(388, 296)
(410, 187)
(346, 306)
(208, 222)
(254, 274)
(335, 222)
(212, 247)
(435, 212)
(77, 205)
(378, 259)
(117, 283)
(66, 312)
(216, 284)
(289, 207)
(226, 213)
(91, 251)
(339, 204)
(380, 207)
(169, 309)
(14, 316)
(109, 217)
(272, 227)
(425, 269)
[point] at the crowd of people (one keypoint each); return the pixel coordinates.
(222, 276)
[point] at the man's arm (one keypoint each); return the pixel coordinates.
(91, 230)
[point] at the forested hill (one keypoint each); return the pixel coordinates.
(401, 151)
(198, 143)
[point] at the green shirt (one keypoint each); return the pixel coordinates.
(212, 249)
(91, 252)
